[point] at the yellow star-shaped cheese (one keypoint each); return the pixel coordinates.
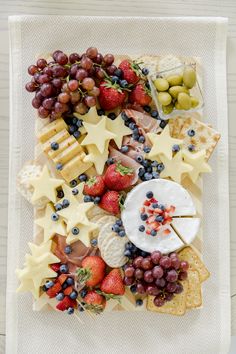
(175, 168)
(84, 234)
(40, 250)
(50, 227)
(45, 186)
(97, 134)
(90, 117)
(96, 157)
(118, 127)
(162, 144)
(198, 161)
(43, 301)
(73, 199)
(27, 285)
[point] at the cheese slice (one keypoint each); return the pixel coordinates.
(186, 228)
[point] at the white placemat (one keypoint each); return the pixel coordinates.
(200, 331)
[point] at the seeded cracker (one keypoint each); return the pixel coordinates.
(194, 294)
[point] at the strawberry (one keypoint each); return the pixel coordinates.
(55, 266)
(68, 290)
(62, 278)
(95, 186)
(92, 271)
(113, 283)
(54, 290)
(66, 303)
(131, 71)
(111, 95)
(94, 301)
(111, 202)
(140, 95)
(118, 177)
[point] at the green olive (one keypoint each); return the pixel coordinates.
(175, 80)
(164, 98)
(168, 109)
(161, 84)
(184, 100)
(175, 90)
(189, 77)
(194, 102)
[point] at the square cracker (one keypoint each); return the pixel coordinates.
(177, 306)
(205, 137)
(195, 263)
(194, 293)
(176, 126)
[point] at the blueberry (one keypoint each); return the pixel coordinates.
(58, 207)
(124, 148)
(144, 217)
(112, 116)
(83, 293)
(141, 172)
(155, 205)
(145, 71)
(159, 218)
(133, 289)
(146, 149)
(161, 206)
(100, 112)
(163, 124)
(75, 230)
(141, 228)
(124, 116)
(123, 83)
(80, 308)
(115, 228)
(83, 177)
(128, 246)
(127, 253)
(191, 147)
(49, 284)
(44, 288)
(97, 200)
(145, 163)
(60, 296)
(73, 295)
(64, 286)
(153, 233)
(75, 191)
(119, 222)
(139, 158)
(141, 139)
(132, 125)
(76, 134)
(136, 131)
(70, 281)
(149, 169)
(72, 129)
(65, 203)
(155, 175)
(149, 194)
(147, 109)
(64, 268)
(87, 198)
(175, 148)
(73, 183)
(139, 302)
(118, 72)
(154, 114)
(70, 310)
(74, 120)
(154, 163)
(54, 146)
(147, 85)
(122, 233)
(135, 137)
(160, 167)
(133, 249)
(54, 216)
(114, 79)
(60, 194)
(67, 249)
(59, 166)
(147, 176)
(110, 161)
(79, 123)
(94, 242)
(191, 132)
(144, 254)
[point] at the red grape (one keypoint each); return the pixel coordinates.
(36, 103)
(179, 288)
(39, 96)
(99, 58)
(111, 69)
(171, 287)
(148, 276)
(59, 71)
(32, 69)
(183, 275)
(157, 272)
(30, 87)
(90, 101)
(172, 276)
(43, 113)
(92, 52)
(175, 263)
(88, 83)
(43, 79)
(54, 115)
(74, 97)
(46, 90)
(73, 85)
(48, 71)
(57, 83)
(184, 265)
(129, 271)
(137, 262)
(86, 63)
(81, 108)
(173, 255)
(165, 262)
(73, 70)
(155, 257)
(138, 273)
(62, 58)
(81, 74)
(140, 288)
(159, 300)
(41, 63)
(63, 97)
(60, 107)
(94, 92)
(36, 77)
(128, 281)
(160, 283)
(55, 54)
(108, 59)
(147, 263)
(48, 103)
(152, 290)
(169, 296)
(100, 73)
(74, 57)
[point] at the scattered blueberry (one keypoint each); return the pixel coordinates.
(191, 147)
(100, 112)
(64, 268)
(60, 296)
(127, 253)
(114, 79)
(141, 172)
(139, 158)
(144, 254)
(44, 288)
(76, 134)
(147, 176)
(122, 233)
(118, 72)
(115, 228)
(70, 281)
(159, 218)
(154, 163)
(160, 167)
(155, 174)
(60, 194)
(70, 310)
(67, 249)
(155, 205)
(145, 71)
(149, 194)
(139, 302)
(83, 177)
(124, 116)
(58, 207)
(175, 148)
(65, 203)
(54, 216)
(75, 230)
(119, 222)
(133, 289)
(154, 114)
(128, 246)
(147, 109)
(112, 116)
(132, 125)
(94, 242)
(73, 295)
(161, 206)
(141, 139)
(79, 123)
(146, 149)
(97, 200)
(124, 148)
(54, 146)
(149, 169)
(141, 228)
(110, 161)
(49, 284)
(87, 198)
(123, 83)
(135, 137)
(191, 132)
(75, 191)
(153, 233)
(59, 166)
(136, 131)
(144, 217)
(145, 163)
(73, 183)
(72, 129)
(163, 124)
(64, 286)
(83, 293)
(75, 120)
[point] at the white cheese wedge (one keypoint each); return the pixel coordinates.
(187, 228)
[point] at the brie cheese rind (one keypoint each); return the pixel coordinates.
(186, 228)
(167, 193)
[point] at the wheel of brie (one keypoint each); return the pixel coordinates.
(165, 221)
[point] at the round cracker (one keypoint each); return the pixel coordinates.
(107, 219)
(104, 231)
(107, 239)
(96, 211)
(96, 218)
(113, 252)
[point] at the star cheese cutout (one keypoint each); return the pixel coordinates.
(43, 301)
(74, 199)
(117, 127)
(198, 161)
(90, 117)
(40, 250)
(175, 168)
(27, 285)
(162, 143)
(97, 134)
(45, 186)
(50, 227)
(84, 234)
(96, 157)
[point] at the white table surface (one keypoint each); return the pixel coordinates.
(226, 8)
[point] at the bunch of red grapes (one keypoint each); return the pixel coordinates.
(156, 275)
(68, 84)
